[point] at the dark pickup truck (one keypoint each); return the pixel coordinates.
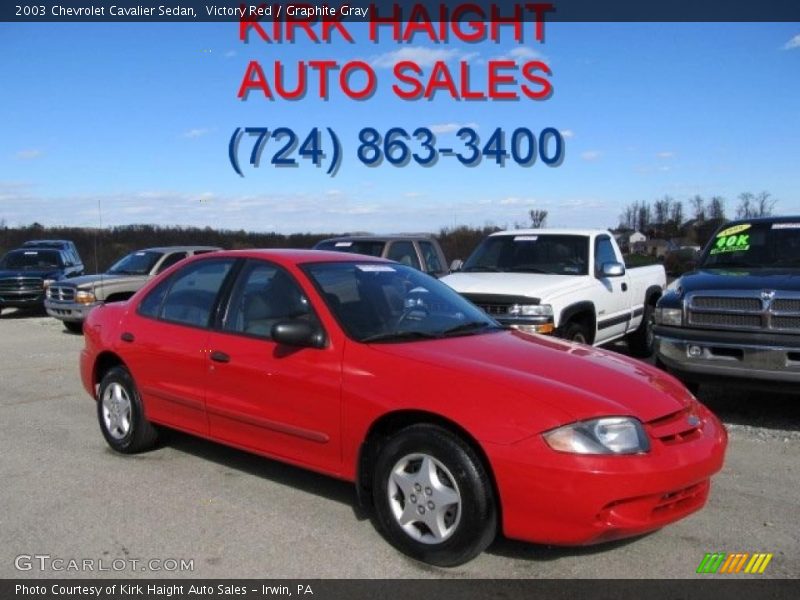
(736, 318)
(26, 272)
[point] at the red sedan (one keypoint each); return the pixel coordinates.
(450, 426)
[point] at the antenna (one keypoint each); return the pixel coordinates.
(96, 236)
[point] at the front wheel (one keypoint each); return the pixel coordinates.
(576, 332)
(433, 498)
(74, 326)
(121, 416)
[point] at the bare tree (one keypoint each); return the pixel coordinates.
(643, 216)
(676, 216)
(538, 218)
(746, 208)
(698, 208)
(764, 204)
(716, 208)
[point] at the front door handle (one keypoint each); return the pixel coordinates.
(127, 336)
(220, 357)
(624, 287)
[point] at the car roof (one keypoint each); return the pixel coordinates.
(178, 249)
(757, 220)
(380, 238)
(287, 256)
(47, 243)
(549, 231)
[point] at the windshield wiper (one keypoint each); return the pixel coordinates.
(399, 336)
(482, 268)
(469, 327)
(530, 270)
(740, 264)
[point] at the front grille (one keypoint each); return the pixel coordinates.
(730, 303)
(786, 305)
(723, 320)
(688, 498)
(676, 428)
(759, 310)
(495, 309)
(61, 293)
(20, 284)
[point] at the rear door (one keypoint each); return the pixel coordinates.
(166, 339)
(282, 401)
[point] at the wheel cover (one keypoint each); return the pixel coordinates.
(116, 411)
(424, 498)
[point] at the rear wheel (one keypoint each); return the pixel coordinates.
(433, 498)
(641, 342)
(74, 326)
(121, 416)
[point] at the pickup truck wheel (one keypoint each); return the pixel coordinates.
(74, 326)
(576, 332)
(433, 498)
(121, 416)
(641, 342)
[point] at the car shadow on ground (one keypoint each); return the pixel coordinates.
(22, 313)
(769, 410)
(515, 549)
(281, 473)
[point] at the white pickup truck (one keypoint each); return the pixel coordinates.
(569, 282)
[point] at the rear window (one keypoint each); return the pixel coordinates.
(370, 248)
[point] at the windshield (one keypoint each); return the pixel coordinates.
(757, 245)
(23, 260)
(137, 263)
(383, 302)
(370, 248)
(532, 253)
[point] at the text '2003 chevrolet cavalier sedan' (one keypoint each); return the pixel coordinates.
(452, 428)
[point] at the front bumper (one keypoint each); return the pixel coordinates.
(697, 358)
(69, 311)
(22, 299)
(567, 499)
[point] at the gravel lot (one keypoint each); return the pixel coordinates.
(65, 494)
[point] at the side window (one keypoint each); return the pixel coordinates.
(431, 257)
(404, 253)
(604, 252)
(264, 295)
(193, 291)
(171, 260)
(151, 305)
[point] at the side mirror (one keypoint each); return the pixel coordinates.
(298, 333)
(456, 265)
(612, 269)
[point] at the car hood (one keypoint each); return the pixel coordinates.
(577, 380)
(535, 285)
(94, 281)
(44, 274)
(740, 279)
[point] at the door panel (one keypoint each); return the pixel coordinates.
(275, 399)
(612, 294)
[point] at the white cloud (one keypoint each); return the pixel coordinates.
(591, 155)
(440, 128)
(424, 57)
(792, 43)
(230, 54)
(196, 133)
(29, 154)
(666, 154)
(567, 133)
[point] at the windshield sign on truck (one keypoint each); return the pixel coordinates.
(732, 239)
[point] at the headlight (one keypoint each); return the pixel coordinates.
(669, 316)
(84, 297)
(531, 310)
(609, 435)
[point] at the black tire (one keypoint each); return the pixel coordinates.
(74, 326)
(471, 522)
(641, 343)
(576, 331)
(121, 416)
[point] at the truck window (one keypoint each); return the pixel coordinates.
(552, 254)
(431, 257)
(756, 245)
(603, 253)
(404, 253)
(171, 260)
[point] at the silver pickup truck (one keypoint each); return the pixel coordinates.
(71, 300)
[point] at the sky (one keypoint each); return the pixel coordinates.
(110, 124)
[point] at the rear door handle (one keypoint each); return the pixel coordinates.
(624, 287)
(220, 357)
(127, 336)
